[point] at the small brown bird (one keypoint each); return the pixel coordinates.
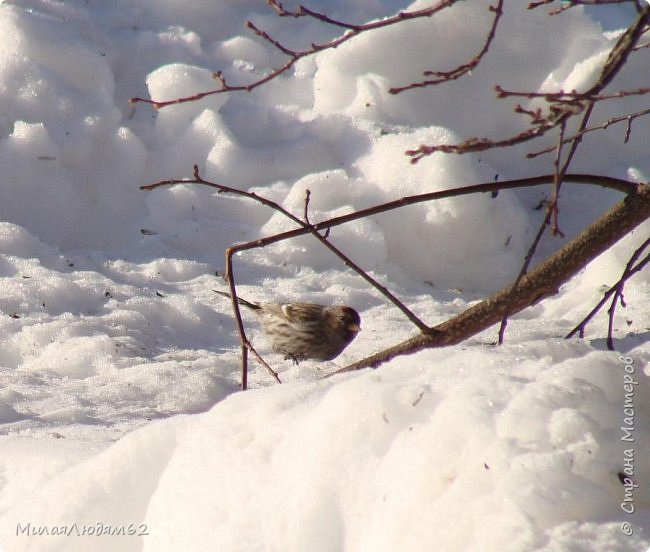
(303, 331)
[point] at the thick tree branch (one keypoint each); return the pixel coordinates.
(544, 280)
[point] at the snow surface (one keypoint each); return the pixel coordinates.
(119, 368)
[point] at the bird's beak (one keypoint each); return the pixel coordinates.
(354, 327)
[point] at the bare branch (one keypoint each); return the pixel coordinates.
(445, 76)
(302, 11)
(305, 227)
(552, 210)
(295, 55)
(628, 118)
(630, 270)
(562, 96)
(566, 4)
(522, 272)
(618, 184)
(544, 281)
(308, 228)
(562, 106)
(305, 215)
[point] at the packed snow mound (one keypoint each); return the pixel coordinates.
(468, 450)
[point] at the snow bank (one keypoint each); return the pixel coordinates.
(468, 450)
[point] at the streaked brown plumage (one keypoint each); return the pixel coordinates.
(303, 331)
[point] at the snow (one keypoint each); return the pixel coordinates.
(119, 368)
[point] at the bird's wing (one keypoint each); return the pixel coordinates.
(302, 312)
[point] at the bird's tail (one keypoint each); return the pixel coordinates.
(241, 301)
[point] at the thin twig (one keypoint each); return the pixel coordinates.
(522, 272)
(302, 11)
(554, 207)
(534, 245)
(568, 4)
(628, 118)
(262, 362)
(306, 209)
(246, 345)
(295, 55)
(305, 225)
(536, 241)
(552, 211)
(618, 184)
(628, 272)
(562, 96)
(314, 229)
(245, 342)
(304, 228)
(561, 108)
(463, 69)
